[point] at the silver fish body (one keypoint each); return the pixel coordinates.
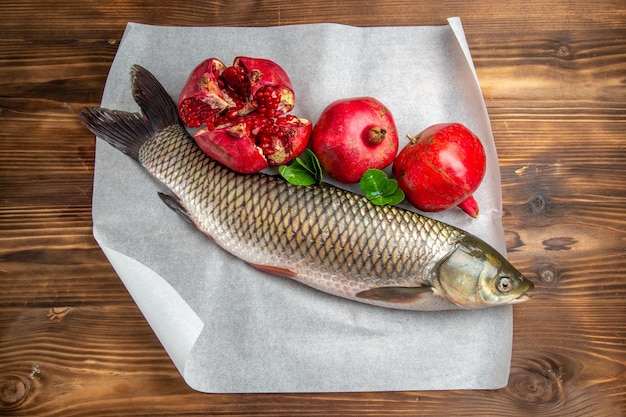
(322, 236)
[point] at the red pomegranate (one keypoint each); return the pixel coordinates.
(441, 168)
(241, 111)
(353, 135)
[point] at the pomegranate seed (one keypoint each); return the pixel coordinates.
(267, 101)
(236, 79)
(194, 112)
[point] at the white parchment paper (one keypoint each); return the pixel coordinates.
(231, 328)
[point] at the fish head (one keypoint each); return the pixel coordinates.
(475, 275)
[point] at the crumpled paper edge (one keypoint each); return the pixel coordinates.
(173, 321)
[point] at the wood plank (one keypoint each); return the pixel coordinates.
(517, 16)
(562, 383)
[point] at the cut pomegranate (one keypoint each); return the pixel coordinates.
(239, 107)
(203, 98)
(254, 142)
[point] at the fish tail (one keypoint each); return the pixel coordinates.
(152, 98)
(128, 131)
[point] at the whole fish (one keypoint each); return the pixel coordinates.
(320, 235)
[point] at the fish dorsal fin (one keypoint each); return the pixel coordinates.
(174, 203)
(395, 294)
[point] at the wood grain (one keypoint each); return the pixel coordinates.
(73, 343)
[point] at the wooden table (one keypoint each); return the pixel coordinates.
(72, 342)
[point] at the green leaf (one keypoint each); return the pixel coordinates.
(309, 161)
(390, 187)
(373, 182)
(380, 189)
(304, 170)
(395, 198)
(391, 200)
(296, 174)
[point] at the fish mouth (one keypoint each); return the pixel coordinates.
(522, 298)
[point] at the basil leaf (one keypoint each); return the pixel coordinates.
(296, 174)
(391, 187)
(380, 189)
(304, 170)
(395, 198)
(373, 182)
(309, 161)
(391, 199)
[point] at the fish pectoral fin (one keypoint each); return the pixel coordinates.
(395, 294)
(174, 203)
(275, 270)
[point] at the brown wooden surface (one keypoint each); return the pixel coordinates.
(554, 79)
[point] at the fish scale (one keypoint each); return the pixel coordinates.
(323, 236)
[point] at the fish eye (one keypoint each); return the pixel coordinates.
(504, 284)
